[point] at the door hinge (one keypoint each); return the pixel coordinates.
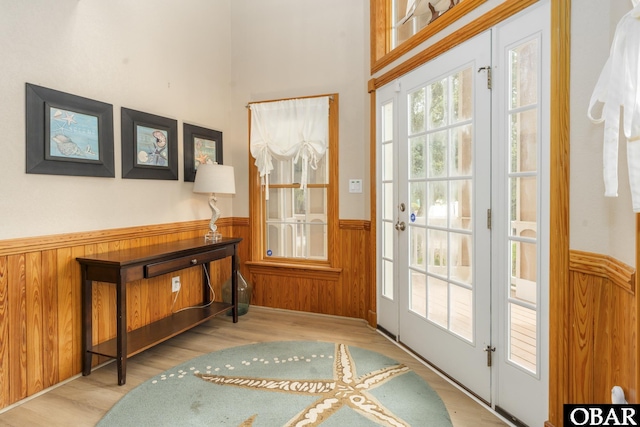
(489, 219)
(488, 70)
(489, 350)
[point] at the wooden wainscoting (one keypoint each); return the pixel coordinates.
(343, 290)
(603, 335)
(40, 294)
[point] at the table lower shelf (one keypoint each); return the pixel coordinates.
(154, 333)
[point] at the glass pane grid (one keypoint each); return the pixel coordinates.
(440, 188)
(522, 240)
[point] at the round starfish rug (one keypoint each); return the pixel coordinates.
(285, 383)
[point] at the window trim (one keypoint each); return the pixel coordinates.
(257, 203)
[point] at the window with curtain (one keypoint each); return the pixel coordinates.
(293, 178)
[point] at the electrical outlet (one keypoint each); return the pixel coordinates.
(175, 284)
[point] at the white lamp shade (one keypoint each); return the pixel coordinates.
(215, 179)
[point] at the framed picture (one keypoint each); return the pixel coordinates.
(149, 146)
(68, 134)
(201, 145)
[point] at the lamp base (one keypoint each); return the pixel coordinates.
(212, 237)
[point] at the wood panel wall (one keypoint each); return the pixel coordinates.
(343, 290)
(603, 336)
(40, 294)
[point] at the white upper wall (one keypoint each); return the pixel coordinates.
(164, 57)
(294, 48)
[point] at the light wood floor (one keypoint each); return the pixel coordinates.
(84, 400)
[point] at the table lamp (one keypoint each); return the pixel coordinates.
(212, 179)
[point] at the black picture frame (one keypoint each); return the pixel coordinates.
(149, 146)
(194, 138)
(68, 134)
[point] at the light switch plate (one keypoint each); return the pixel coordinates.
(355, 186)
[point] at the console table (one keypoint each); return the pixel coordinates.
(127, 265)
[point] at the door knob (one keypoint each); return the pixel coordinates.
(400, 226)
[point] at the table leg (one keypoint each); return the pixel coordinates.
(234, 283)
(87, 319)
(121, 325)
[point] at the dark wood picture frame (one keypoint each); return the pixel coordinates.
(194, 153)
(67, 134)
(149, 146)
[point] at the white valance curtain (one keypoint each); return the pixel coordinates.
(295, 129)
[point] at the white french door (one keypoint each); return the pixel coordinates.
(462, 155)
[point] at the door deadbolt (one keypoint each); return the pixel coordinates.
(402, 207)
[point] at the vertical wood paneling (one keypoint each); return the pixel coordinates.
(581, 337)
(17, 328)
(76, 295)
(65, 313)
(33, 294)
(4, 334)
(49, 318)
(601, 344)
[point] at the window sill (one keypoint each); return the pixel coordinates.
(296, 270)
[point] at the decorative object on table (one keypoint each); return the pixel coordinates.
(68, 134)
(201, 145)
(213, 179)
(283, 383)
(149, 146)
(244, 292)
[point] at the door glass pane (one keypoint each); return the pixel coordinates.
(437, 157)
(416, 111)
(460, 207)
(462, 311)
(387, 278)
(418, 293)
(417, 248)
(524, 271)
(437, 301)
(524, 74)
(524, 140)
(462, 96)
(437, 203)
(387, 201)
(387, 239)
(461, 154)
(438, 101)
(461, 257)
(417, 202)
(524, 203)
(437, 252)
(522, 336)
(417, 160)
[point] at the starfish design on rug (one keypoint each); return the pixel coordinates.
(345, 389)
